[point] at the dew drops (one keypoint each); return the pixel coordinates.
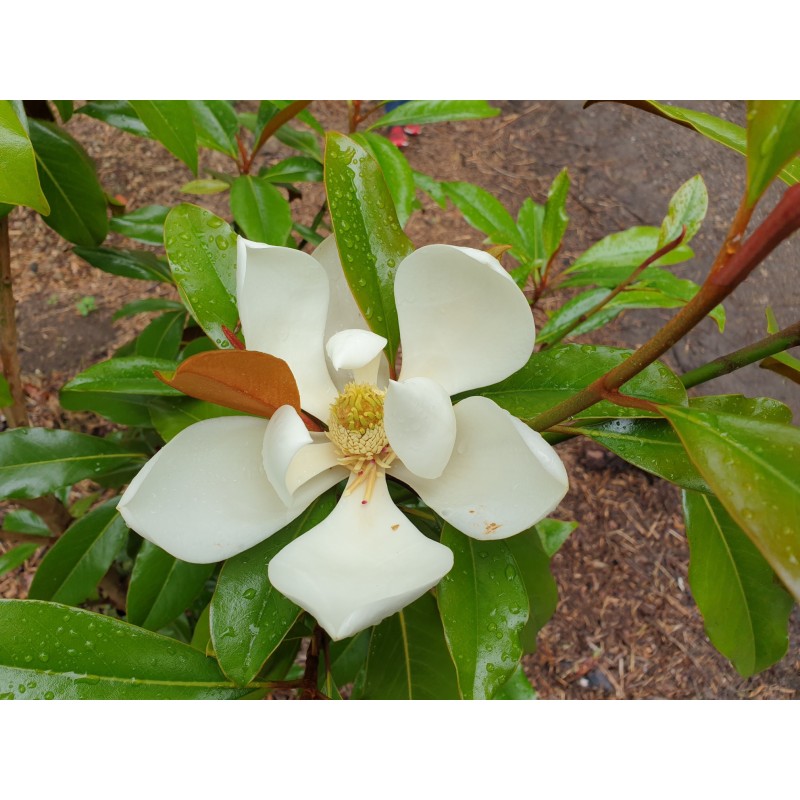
(49, 696)
(249, 594)
(511, 573)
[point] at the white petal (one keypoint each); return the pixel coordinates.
(500, 480)
(292, 457)
(283, 302)
(343, 312)
(419, 420)
(359, 565)
(205, 495)
(353, 348)
(463, 321)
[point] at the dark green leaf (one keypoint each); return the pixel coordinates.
(302, 141)
(76, 563)
(19, 179)
(17, 556)
(201, 249)
(687, 208)
(51, 651)
(532, 563)
(553, 533)
(162, 337)
(65, 109)
(126, 409)
(201, 638)
(6, 398)
(555, 214)
(294, 170)
(162, 587)
(250, 618)
(396, 171)
(753, 467)
(426, 112)
(408, 657)
(125, 375)
(146, 305)
(70, 184)
(348, 657)
(773, 140)
(145, 225)
(170, 415)
(5, 209)
(369, 237)
(260, 210)
(172, 123)
(216, 125)
(118, 113)
(127, 263)
(24, 521)
(744, 607)
(36, 461)
(484, 610)
(559, 372)
(484, 212)
(517, 687)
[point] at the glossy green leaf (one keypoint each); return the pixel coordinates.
(17, 556)
(170, 415)
(484, 610)
(396, 172)
(118, 113)
(427, 112)
(65, 109)
(162, 337)
(302, 141)
(6, 398)
(744, 607)
(126, 409)
(69, 182)
(145, 225)
(162, 587)
(773, 140)
(147, 305)
(250, 618)
(687, 208)
(297, 169)
(517, 687)
(140, 265)
(216, 125)
(19, 179)
(557, 373)
(540, 593)
(172, 123)
(201, 249)
(22, 520)
(753, 467)
(348, 657)
(555, 219)
(369, 237)
(52, 651)
(205, 186)
(765, 408)
(125, 375)
(260, 210)
(484, 212)
(408, 657)
(553, 533)
(626, 250)
(76, 563)
(36, 461)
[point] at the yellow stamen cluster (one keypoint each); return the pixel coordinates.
(356, 428)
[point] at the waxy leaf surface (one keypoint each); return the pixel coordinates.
(773, 139)
(261, 211)
(145, 225)
(19, 180)
(172, 123)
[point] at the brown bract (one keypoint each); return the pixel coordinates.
(245, 380)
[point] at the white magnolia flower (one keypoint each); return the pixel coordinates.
(223, 485)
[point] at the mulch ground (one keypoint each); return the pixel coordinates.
(626, 626)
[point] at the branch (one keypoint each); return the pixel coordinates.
(724, 277)
(768, 346)
(281, 118)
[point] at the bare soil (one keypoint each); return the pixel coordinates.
(626, 626)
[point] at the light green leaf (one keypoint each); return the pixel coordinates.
(19, 180)
(201, 249)
(687, 208)
(6, 398)
(744, 607)
(172, 123)
(17, 556)
(76, 563)
(260, 210)
(69, 182)
(24, 521)
(90, 656)
(427, 112)
(753, 467)
(216, 125)
(553, 533)
(773, 140)
(162, 587)
(205, 186)
(555, 214)
(249, 617)
(145, 225)
(484, 212)
(370, 240)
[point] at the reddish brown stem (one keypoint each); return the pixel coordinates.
(281, 118)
